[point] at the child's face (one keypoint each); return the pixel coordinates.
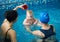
(29, 13)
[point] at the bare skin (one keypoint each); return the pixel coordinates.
(27, 24)
(29, 20)
(38, 32)
(19, 7)
(11, 33)
(7, 25)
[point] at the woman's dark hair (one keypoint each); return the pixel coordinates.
(11, 15)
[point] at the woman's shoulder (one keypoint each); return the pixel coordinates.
(11, 32)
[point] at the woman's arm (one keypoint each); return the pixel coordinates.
(36, 32)
(18, 7)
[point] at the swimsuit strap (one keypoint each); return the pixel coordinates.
(7, 39)
(7, 32)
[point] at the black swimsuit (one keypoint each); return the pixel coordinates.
(7, 39)
(48, 33)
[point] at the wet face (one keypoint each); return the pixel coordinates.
(29, 13)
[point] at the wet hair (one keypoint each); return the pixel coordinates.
(11, 15)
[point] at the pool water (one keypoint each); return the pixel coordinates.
(22, 34)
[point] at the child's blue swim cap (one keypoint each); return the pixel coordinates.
(44, 17)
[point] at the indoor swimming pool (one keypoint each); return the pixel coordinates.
(22, 34)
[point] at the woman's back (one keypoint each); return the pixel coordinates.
(8, 32)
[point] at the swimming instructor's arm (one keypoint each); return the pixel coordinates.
(20, 6)
(36, 32)
(16, 8)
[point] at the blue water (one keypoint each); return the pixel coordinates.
(54, 19)
(22, 34)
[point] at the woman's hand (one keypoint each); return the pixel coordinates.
(36, 21)
(23, 6)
